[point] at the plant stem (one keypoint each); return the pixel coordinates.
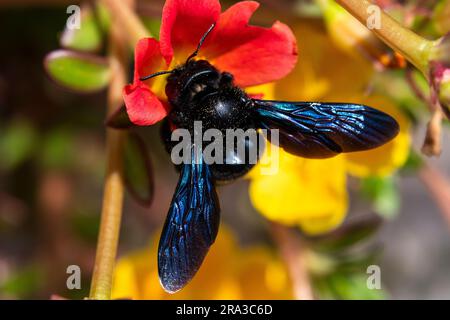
(432, 145)
(439, 187)
(293, 252)
(128, 20)
(417, 90)
(412, 46)
(114, 185)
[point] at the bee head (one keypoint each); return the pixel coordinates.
(190, 81)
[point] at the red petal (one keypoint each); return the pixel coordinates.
(232, 29)
(183, 24)
(143, 107)
(254, 55)
(147, 58)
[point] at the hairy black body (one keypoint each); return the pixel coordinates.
(197, 91)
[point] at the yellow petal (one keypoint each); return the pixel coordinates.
(306, 192)
(223, 275)
(136, 276)
(322, 68)
(263, 276)
(266, 90)
(125, 285)
(349, 34)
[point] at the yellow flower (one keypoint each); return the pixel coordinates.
(311, 193)
(228, 272)
(322, 68)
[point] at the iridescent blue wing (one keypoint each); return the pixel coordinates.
(322, 130)
(190, 228)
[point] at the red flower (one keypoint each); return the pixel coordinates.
(254, 55)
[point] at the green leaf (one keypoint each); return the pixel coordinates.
(349, 234)
(86, 225)
(58, 150)
(138, 171)
(17, 143)
(348, 286)
(308, 9)
(88, 37)
(78, 71)
(103, 15)
(346, 278)
(413, 163)
(384, 195)
(355, 261)
(23, 283)
(153, 25)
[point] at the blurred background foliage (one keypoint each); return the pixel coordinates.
(52, 167)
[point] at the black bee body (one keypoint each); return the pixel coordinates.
(197, 91)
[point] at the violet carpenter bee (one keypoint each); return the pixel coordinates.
(197, 91)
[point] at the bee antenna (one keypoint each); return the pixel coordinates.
(202, 40)
(160, 73)
(194, 54)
